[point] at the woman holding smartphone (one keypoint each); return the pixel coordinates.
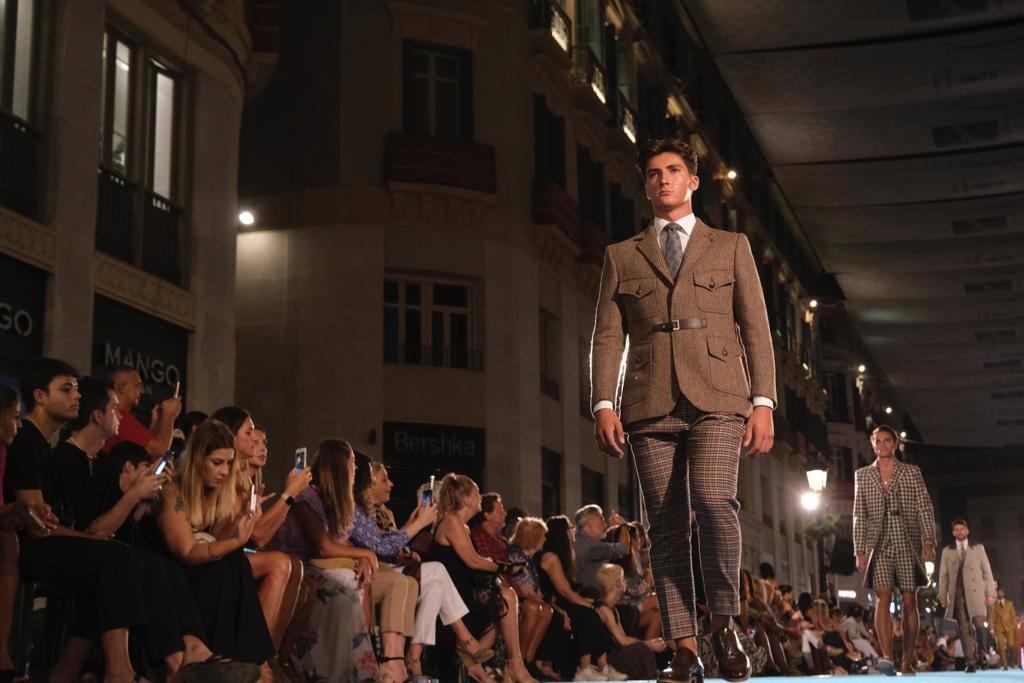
(278, 588)
(437, 594)
(204, 529)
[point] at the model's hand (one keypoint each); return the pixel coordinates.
(608, 432)
(928, 552)
(862, 562)
(760, 434)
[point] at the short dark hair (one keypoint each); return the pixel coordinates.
(959, 521)
(785, 588)
(95, 396)
(886, 428)
(653, 148)
(128, 451)
(38, 374)
(233, 416)
(489, 501)
(118, 369)
(766, 570)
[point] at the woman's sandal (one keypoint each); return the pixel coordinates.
(471, 658)
(414, 668)
(385, 677)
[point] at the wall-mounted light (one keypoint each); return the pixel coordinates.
(903, 435)
(731, 174)
(888, 410)
(246, 217)
(813, 303)
(862, 368)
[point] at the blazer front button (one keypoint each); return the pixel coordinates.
(711, 285)
(639, 291)
(725, 352)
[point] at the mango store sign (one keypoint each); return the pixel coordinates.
(152, 370)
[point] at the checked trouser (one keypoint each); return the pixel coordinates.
(688, 461)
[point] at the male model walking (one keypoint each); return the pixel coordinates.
(699, 383)
(893, 536)
(966, 589)
(1003, 619)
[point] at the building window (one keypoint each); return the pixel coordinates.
(838, 406)
(624, 224)
(139, 217)
(438, 90)
(766, 503)
(590, 185)
(584, 361)
(428, 322)
(591, 486)
(548, 144)
(627, 504)
(18, 19)
(549, 355)
(550, 482)
(988, 527)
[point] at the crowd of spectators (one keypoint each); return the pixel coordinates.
(177, 564)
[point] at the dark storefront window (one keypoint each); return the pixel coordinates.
(428, 322)
(22, 304)
(19, 140)
(551, 482)
(591, 486)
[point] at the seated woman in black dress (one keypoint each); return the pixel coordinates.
(204, 531)
(491, 602)
(557, 572)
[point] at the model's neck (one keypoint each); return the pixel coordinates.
(674, 214)
(89, 440)
(44, 422)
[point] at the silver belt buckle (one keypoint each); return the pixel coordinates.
(675, 325)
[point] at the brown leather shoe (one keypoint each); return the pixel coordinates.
(685, 667)
(733, 663)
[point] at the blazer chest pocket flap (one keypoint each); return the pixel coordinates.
(637, 296)
(638, 374)
(714, 290)
(726, 360)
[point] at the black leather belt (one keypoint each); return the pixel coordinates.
(683, 324)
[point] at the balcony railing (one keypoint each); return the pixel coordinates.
(435, 356)
(593, 240)
(550, 21)
(549, 387)
(417, 158)
(160, 239)
(19, 166)
(626, 119)
(588, 72)
(553, 206)
(116, 216)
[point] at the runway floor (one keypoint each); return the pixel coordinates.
(992, 676)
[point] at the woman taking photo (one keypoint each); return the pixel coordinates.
(328, 637)
(438, 596)
(492, 602)
(205, 531)
(273, 570)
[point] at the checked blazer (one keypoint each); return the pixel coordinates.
(911, 498)
(718, 368)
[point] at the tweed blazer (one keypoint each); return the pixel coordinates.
(911, 499)
(978, 580)
(718, 367)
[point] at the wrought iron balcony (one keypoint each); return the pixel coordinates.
(588, 77)
(553, 206)
(551, 28)
(116, 215)
(161, 238)
(416, 158)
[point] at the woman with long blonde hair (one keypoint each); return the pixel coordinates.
(204, 529)
(492, 602)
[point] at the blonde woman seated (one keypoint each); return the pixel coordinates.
(493, 605)
(631, 656)
(438, 595)
(528, 538)
(204, 530)
(319, 527)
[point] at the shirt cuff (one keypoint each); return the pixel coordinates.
(601, 405)
(763, 401)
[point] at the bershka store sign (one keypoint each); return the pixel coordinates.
(157, 349)
(22, 303)
(413, 452)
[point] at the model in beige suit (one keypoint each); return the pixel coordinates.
(699, 382)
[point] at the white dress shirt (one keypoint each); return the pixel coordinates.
(961, 545)
(686, 224)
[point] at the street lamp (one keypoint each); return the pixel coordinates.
(817, 478)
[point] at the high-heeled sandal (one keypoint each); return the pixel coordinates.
(385, 677)
(472, 658)
(509, 678)
(413, 667)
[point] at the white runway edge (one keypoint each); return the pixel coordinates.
(1012, 676)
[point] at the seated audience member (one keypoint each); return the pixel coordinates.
(926, 648)
(512, 517)
(329, 631)
(536, 614)
(183, 427)
(438, 596)
(856, 632)
(205, 528)
(557, 569)
(271, 569)
(11, 521)
(631, 656)
(156, 438)
(591, 550)
(103, 571)
(842, 654)
(485, 528)
(639, 612)
(755, 617)
(491, 602)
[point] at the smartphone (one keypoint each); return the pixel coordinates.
(177, 389)
(428, 494)
(300, 458)
(36, 520)
(163, 463)
(252, 498)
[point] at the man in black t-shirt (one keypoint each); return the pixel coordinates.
(104, 571)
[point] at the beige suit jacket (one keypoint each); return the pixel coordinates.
(718, 367)
(979, 583)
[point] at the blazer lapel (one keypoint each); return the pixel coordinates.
(647, 244)
(700, 238)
